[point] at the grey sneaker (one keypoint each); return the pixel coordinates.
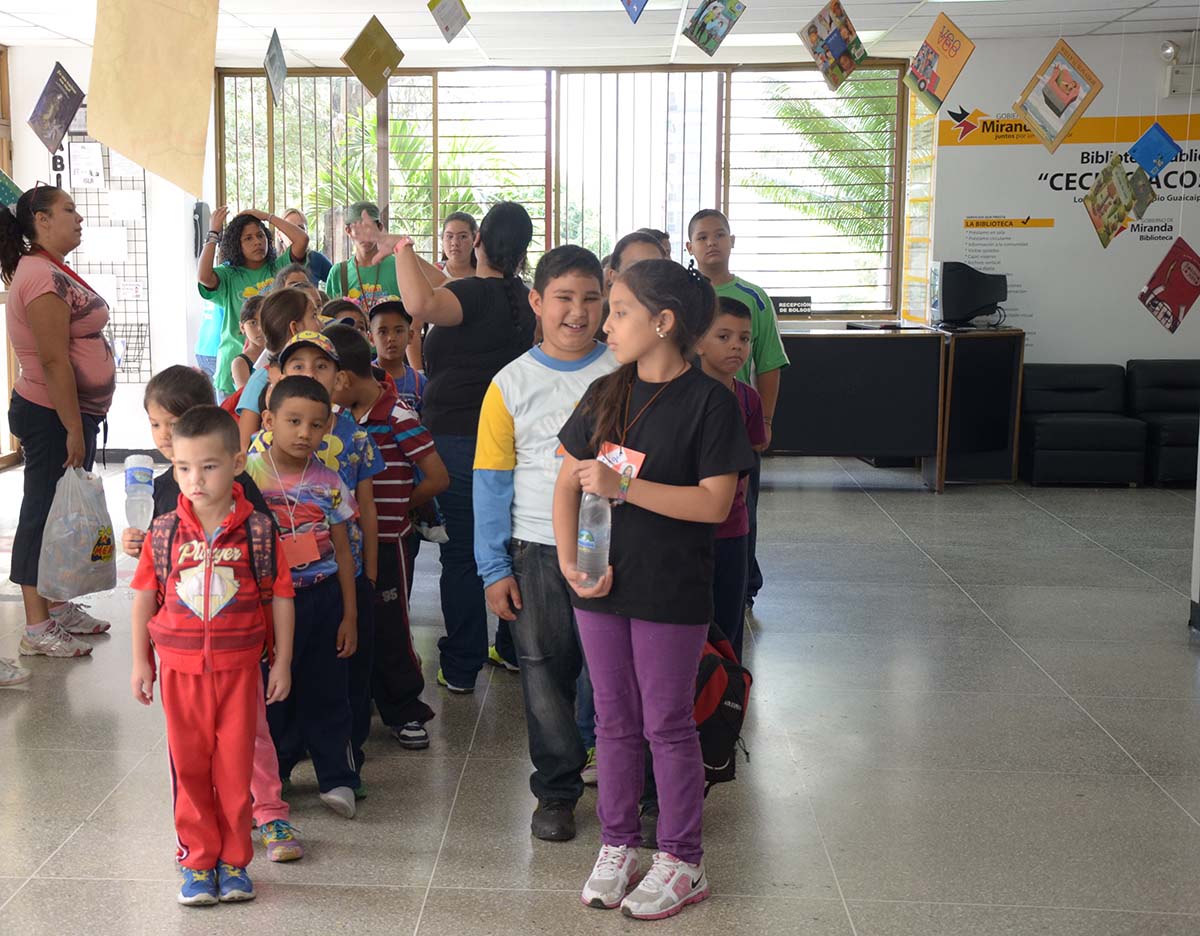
(53, 642)
(74, 619)
(341, 801)
(670, 885)
(590, 774)
(12, 674)
(615, 871)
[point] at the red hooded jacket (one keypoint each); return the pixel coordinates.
(211, 616)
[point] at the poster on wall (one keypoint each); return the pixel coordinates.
(833, 42)
(87, 165)
(712, 22)
(1057, 95)
(56, 108)
(373, 56)
(938, 63)
(1173, 289)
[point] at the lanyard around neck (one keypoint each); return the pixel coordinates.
(287, 500)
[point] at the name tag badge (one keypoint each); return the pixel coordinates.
(621, 458)
(300, 550)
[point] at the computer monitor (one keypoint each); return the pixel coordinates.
(964, 293)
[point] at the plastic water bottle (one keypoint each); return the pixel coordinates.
(595, 526)
(139, 491)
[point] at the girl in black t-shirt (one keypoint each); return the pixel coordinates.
(666, 443)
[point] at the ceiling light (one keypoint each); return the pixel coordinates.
(1169, 51)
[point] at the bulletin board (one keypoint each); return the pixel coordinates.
(125, 285)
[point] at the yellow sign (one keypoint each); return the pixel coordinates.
(1008, 222)
(980, 129)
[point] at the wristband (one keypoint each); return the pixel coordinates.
(623, 487)
(213, 237)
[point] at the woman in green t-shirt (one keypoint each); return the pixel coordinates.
(248, 265)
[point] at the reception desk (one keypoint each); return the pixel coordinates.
(949, 399)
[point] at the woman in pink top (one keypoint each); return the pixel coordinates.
(56, 324)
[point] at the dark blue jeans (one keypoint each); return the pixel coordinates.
(464, 648)
(754, 581)
(729, 588)
(550, 658)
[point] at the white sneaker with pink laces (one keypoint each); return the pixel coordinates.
(615, 871)
(53, 642)
(670, 885)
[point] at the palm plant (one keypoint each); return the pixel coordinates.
(847, 184)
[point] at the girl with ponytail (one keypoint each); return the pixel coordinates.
(667, 443)
(480, 324)
(56, 322)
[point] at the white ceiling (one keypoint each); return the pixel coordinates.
(598, 32)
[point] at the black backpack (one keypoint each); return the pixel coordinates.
(722, 694)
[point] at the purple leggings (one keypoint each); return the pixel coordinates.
(644, 684)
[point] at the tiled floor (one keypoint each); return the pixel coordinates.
(976, 714)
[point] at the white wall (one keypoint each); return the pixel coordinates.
(1077, 301)
(175, 305)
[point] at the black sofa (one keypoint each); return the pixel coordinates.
(1074, 429)
(1165, 395)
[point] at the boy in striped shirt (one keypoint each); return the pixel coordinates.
(405, 445)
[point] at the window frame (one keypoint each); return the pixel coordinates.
(553, 135)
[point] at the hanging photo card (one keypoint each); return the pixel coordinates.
(1154, 149)
(711, 23)
(1174, 287)
(55, 109)
(1110, 201)
(275, 65)
(938, 63)
(373, 56)
(634, 8)
(833, 42)
(87, 165)
(104, 245)
(9, 190)
(451, 17)
(1143, 192)
(1056, 97)
(126, 205)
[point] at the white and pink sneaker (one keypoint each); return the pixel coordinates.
(615, 871)
(670, 885)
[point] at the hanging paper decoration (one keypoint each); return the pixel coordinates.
(938, 63)
(275, 65)
(373, 56)
(451, 17)
(1057, 95)
(1174, 287)
(1154, 149)
(634, 8)
(1110, 201)
(56, 108)
(1143, 192)
(712, 22)
(833, 42)
(9, 190)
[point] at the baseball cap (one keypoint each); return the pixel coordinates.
(311, 339)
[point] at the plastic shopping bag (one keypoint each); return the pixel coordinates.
(77, 555)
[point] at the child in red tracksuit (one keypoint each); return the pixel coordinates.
(201, 601)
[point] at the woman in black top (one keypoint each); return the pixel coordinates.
(480, 324)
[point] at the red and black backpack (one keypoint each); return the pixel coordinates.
(722, 695)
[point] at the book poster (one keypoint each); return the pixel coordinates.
(833, 42)
(1154, 149)
(451, 17)
(938, 63)
(634, 8)
(712, 22)
(1057, 95)
(275, 65)
(1174, 287)
(1110, 201)
(9, 190)
(56, 108)
(1143, 192)
(373, 56)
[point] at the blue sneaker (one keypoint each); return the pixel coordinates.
(199, 888)
(235, 883)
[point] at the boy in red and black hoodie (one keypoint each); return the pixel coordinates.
(371, 398)
(207, 572)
